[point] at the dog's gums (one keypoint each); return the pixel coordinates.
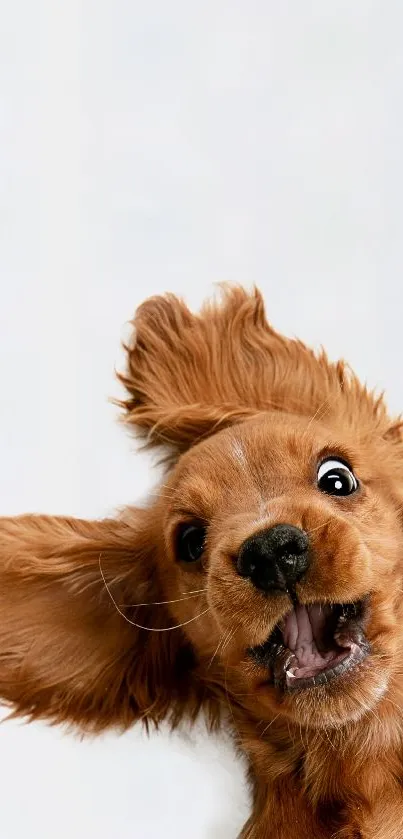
(261, 583)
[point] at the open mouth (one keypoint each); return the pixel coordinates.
(314, 644)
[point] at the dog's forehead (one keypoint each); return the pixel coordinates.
(280, 439)
(268, 448)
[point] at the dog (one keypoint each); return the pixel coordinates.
(261, 584)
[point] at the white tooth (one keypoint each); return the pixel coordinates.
(290, 674)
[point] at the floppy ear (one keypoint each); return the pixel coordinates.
(190, 375)
(66, 654)
(185, 373)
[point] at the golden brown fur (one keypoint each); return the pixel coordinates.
(241, 414)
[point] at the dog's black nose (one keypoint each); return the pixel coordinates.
(275, 559)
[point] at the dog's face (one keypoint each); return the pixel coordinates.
(294, 534)
(282, 540)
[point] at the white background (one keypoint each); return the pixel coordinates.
(166, 146)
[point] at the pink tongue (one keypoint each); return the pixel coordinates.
(303, 631)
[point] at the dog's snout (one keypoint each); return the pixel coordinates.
(275, 559)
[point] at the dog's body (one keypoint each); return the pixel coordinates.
(263, 582)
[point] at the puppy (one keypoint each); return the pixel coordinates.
(261, 584)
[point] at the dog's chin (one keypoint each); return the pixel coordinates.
(318, 664)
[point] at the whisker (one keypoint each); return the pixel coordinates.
(139, 626)
(324, 523)
(162, 602)
(221, 641)
(215, 652)
(268, 726)
(228, 639)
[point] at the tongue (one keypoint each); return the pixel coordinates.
(304, 634)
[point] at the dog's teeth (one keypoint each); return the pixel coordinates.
(290, 674)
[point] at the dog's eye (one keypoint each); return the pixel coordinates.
(190, 543)
(336, 478)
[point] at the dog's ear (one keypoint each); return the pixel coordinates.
(189, 375)
(66, 654)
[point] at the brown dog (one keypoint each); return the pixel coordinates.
(263, 583)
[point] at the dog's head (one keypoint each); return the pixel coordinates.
(280, 536)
